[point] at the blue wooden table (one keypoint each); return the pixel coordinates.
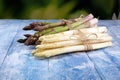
(17, 62)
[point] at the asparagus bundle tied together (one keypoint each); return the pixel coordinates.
(46, 28)
(79, 34)
(73, 40)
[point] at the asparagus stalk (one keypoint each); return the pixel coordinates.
(41, 28)
(35, 24)
(57, 51)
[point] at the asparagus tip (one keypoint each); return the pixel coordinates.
(27, 35)
(21, 40)
(27, 28)
(30, 41)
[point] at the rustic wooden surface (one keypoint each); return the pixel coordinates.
(17, 63)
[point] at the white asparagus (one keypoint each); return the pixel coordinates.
(73, 37)
(73, 32)
(57, 51)
(72, 43)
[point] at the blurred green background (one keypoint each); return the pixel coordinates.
(57, 9)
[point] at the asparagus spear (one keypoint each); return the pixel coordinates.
(41, 28)
(35, 24)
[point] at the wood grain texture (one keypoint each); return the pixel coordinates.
(17, 62)
(107, 60)
(8, 30)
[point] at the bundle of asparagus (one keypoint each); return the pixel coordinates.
(79, 34)
(72, 40)
(46, 28)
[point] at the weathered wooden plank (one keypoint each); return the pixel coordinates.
(84, 70)
(105, 67)
(20, 64)
(114, 52)
(8, 30)
(73, 66)
(107, 60)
